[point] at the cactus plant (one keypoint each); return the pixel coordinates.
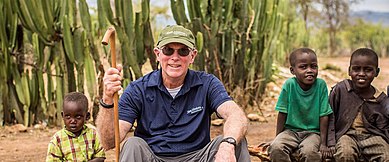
(128, 27)
(240, 38)
(60, 38)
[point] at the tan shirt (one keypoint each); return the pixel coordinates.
(358, 121)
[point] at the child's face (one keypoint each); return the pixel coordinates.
(74, 117)
(305, 70)
(362, 71)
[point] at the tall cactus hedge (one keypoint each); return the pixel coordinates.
(134, 34)
(36, 86)
(49, 48)
(237, 40)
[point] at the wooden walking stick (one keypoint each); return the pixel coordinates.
(110, 35)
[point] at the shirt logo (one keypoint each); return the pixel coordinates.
(194, 110)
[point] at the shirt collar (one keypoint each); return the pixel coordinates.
(191, 80)
(83, 131)
(378, 95)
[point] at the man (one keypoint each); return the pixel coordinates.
(173, 107)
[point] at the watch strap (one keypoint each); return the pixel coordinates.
(105, 105)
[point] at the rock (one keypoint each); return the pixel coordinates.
(253, 117)
(217, 122)
(262, 119)
(256, 117)
(40, 126)
(16, 128)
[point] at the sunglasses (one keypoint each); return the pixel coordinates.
(182, 51)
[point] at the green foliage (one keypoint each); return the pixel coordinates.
(331, 67)
(64, 55)
(57, 34)
(130, 26)
(362, 34)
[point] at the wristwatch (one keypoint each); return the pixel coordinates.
(230, 140)
(105, 105)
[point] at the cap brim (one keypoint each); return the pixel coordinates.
(176, 40)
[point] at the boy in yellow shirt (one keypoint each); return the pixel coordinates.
(75, 142)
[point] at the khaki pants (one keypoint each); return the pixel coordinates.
(136, 150)
(287, 142)
(355, 145)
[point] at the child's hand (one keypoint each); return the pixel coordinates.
(327, 152)
(265, 145)
(332, 151)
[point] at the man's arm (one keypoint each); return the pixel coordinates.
(105, 127)
(105, 117)
(235, 120)
(235, 126)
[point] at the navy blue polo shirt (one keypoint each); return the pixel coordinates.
(170, 126)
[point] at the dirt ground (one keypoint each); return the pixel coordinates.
(31, 145)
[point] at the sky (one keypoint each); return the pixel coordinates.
(372, 5)
(363, 5)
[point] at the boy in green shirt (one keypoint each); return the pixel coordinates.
(75, 142)
(303, 107)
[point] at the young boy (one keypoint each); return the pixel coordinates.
(303, 111)
(75, 142)
(360, 123)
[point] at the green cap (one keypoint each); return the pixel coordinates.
(177, 34)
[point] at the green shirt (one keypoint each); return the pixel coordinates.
(65, 146)
(303, 108)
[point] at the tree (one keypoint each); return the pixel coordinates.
(336, 13)
(304, 8)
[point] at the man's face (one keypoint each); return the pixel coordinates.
(305, 70)
(362, 71)
(74, 117)
(174, 66)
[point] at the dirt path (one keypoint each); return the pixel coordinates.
(32, 144)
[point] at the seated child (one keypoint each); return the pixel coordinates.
(360, 122)
(303, 107)
(75, 142)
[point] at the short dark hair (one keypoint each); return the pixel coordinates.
(77, 97)
(293, 55)
(364, 52)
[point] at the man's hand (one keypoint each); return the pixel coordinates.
(226, 153)
(112, 83)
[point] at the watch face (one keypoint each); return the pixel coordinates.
(230, 140)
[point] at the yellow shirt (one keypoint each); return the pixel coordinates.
(65, 146)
